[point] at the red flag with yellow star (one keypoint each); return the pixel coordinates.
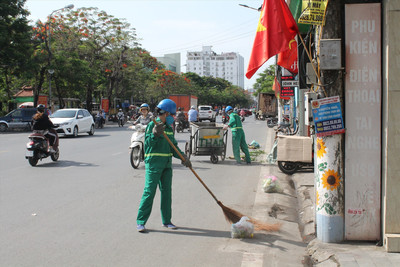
(276, 29)
(288, 58)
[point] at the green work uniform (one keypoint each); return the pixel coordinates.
(158, 161)
(238, 138)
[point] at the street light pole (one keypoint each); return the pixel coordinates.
(51, 71)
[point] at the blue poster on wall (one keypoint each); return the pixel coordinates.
(327, 115)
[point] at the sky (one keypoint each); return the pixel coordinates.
(179, 26)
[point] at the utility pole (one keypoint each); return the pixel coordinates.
(329, 150)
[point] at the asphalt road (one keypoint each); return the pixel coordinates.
(81, 210)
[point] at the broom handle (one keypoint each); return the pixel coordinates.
(183, 159)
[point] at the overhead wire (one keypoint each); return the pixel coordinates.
(218, 38)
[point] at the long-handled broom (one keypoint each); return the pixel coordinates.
(231, 215)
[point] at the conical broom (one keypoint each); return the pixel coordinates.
(231, 215)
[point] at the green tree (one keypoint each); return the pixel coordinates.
(217, 91)
(86, 40)
(15, 45)
(265, 81)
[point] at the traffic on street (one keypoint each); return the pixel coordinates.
(81, 210)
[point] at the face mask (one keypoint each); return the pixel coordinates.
(169, 120)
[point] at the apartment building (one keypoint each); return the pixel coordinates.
(228, 66)
(172, 62)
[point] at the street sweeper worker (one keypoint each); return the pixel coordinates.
(238, 137)
(158, 161)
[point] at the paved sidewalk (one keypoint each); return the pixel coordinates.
(347, 254)
(296, 205)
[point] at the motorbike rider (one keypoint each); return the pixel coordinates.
(193, 114)
(100, 117)
(259, 114)
(158, 165)
(180, 115)
(145, 116)
(242, 114)
(238, 137)
(120, 116)
(42, 123)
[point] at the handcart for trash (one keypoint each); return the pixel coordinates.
(207, 139)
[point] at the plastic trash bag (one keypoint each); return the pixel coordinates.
(271, 185)
(254, 145)
(242, 229)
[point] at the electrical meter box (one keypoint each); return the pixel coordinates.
(308, 97)
(330, 55)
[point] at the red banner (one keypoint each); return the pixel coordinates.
(105, 104)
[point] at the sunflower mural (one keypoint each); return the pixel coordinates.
(321, 148)
(330, 180)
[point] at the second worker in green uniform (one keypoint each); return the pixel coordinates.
(158, 164)
(238, 137)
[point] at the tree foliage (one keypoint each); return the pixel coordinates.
(15, 47)
(95, 55)
(265, 81)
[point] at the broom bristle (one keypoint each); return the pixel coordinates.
(269, 227)
(233, 216)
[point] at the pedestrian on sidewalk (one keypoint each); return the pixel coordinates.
(158, 165)
(238, 137)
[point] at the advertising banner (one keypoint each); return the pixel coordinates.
(313, 12)
(42, 99)
(105, 103)
(327, 115)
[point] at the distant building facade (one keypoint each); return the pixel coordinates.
(172, 62)
(228, 66)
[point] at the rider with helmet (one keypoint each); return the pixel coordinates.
(238, 137)
(42, 123)
(158, 165)
(145, 116)
(120, 117)
(181, 118)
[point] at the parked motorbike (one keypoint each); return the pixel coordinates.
(181, 125)
(272, 122)
(38, 148)
(99, 122)
(137, 145)
(290, 167)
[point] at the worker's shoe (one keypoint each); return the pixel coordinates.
(140, 228)
(170, 226)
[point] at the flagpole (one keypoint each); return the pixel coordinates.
(309, 56)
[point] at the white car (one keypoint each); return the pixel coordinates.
(72, 121)
(207, 113)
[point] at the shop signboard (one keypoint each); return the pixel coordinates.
(363, 88)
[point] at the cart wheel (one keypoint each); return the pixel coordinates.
(223, 155)
(187, 149)
(214, 158)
